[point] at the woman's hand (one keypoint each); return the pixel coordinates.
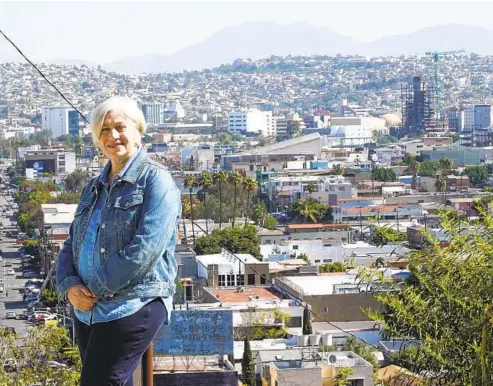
(81, 297)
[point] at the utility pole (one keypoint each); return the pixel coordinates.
(360, 225)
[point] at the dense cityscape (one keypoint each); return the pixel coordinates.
(337, 207)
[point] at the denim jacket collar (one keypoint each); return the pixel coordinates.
(130, 175)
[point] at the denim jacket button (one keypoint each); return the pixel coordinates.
(102, 250)
(103, 225)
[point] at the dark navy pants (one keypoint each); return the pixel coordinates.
(111, 351)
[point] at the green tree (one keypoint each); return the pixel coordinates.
(308, 209)
(191, 183)
(307, 322)
(206, 182)
(477, 174)
(304, 257)
(259, 213)
(333, 267)
(220, 178)
(247, 365)
(445, 306)
(341, 379)
(235, 178)
(250, 186)
(383, 235)
(383, 174)
(270, 222)
(75, 181)
(237, 240)
(42, 345)
(310, 188)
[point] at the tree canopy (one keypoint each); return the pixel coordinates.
(242, 239)
(445, 305)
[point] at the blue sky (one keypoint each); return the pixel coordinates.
(103, 32)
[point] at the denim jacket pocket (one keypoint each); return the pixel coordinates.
(126, 208)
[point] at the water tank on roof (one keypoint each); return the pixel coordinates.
(303, 340)
(327, 339)
(315, 339)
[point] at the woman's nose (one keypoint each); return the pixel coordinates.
(115, 134)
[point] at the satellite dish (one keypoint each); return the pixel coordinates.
(332, 359)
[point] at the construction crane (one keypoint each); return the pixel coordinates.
(436, 56)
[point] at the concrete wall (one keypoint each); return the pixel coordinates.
(343, 307)
(216, 378)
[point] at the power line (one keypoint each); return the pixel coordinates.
(43, 75)
(234, 255)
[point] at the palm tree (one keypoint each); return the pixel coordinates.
(445, 164)
(308, 211)
(310, 188)
(190, 183)
(235, 178)
(206, 182)
(250, 186)
(185, 209)
(414, 165)
(221, 178)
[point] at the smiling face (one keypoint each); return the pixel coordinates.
(119, 137)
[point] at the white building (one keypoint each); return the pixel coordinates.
(252, 122)
(60, 120)
(153, 113)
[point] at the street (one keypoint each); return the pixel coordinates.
(14, 285)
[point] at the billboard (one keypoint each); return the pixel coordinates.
(38, 166)
(196, 332)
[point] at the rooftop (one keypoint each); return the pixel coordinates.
(320, 284)
(58, 213)
(286, 144)
(227, 258)
(249, 294)
(317, 226)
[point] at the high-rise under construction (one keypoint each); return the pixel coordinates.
(417, 107)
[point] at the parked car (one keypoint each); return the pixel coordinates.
(10, 315)
(10, 272)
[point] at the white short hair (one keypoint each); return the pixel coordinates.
(124, 105)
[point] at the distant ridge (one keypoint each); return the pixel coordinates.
(263, 39)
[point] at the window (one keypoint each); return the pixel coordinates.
(222, 280)
(295, 247)
(251, 168)
(240, 280)
(262, 279)
(317, 261)
(327, 260)
(324, 309)
(251, 279)
(230, 280)
(188, 293)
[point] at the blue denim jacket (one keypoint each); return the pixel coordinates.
(136, 240)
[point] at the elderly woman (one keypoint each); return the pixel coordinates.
(117, 267)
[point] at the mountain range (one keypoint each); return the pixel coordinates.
(262, 39)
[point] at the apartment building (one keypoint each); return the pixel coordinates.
(252, 122)
(60, 120)
(224, 270)
(153, 113)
